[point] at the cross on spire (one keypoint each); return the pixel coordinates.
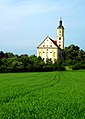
(60, 18)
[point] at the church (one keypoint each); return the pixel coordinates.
(52, 49)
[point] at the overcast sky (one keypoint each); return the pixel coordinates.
(24, 24)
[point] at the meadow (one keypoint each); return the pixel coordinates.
(45, 95)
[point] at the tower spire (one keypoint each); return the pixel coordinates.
(60, 34)
(60, 22)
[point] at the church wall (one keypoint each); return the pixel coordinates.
(48, 53)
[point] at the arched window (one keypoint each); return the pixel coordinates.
(59, 38)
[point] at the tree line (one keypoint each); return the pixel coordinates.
(24, 63)
(73, 56)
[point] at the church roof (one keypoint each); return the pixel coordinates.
(54, 42)
(60, 24)
(60, 27)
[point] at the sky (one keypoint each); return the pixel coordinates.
(24, 24)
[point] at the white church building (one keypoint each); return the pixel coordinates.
(52, 49)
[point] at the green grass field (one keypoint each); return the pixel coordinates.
(46, 95)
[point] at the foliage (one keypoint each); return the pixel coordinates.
(44, 95)
(74, 56)
(78, 66)
(24, 63)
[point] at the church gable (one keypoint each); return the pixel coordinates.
(48, 42)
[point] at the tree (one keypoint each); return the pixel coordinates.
(74, 56)
(9, 55)
(25, 61)
(1, 54)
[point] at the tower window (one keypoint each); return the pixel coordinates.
(50, 45)
(59, 45)
(43, 45)
(59, 31)
(59, 38)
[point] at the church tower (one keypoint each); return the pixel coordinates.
(60, 35)
(52, 49)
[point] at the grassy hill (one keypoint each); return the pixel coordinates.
(46, 95)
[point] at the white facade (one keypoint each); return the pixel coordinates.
(50, 49)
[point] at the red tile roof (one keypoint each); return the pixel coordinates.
(55, 42)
